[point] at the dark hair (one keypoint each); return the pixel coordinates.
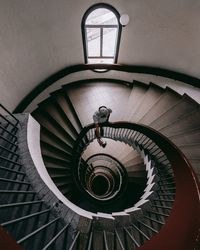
(102, 107)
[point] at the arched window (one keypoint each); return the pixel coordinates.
(101, 32)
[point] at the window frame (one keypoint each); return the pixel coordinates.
(84, 30)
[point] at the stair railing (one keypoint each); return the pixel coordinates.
(20, 205)
(183, 221)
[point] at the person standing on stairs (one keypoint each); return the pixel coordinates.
(101, 117)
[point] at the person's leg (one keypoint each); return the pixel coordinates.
(101, 131)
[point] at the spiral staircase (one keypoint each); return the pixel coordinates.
(140, 192)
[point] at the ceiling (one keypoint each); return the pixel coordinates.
(40, 37)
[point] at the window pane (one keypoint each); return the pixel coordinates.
(93, 41)
(101, 16)
(101, 60)
(109, 41)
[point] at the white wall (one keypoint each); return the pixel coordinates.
(38, 38)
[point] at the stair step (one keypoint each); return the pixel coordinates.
(63, 114)
(71, 110)
(184, 106)
(138, 173)
(135, 99)
(134, 161)
(52, 151)
(166, 101)
(191, 136)
(56, 161)
(53, 107)
(52, 139)
(149, 98)
(48, 120)
(191, 150)
(184, 123)
(127, 155)
(136, 167)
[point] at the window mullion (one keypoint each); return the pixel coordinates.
(101, 42)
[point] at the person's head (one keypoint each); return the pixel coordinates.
(104, 111)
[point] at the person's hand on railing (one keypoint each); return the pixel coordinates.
(101, 142)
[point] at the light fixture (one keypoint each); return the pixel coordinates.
(124, 19)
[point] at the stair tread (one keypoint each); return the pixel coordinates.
(183, 123)
(48, 120)
(52, 139)
(184, 106)
(149, 98)
(52, 151)
(135, 99)
(52, 109)
(166, 101)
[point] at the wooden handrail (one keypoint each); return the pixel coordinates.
(7, 242)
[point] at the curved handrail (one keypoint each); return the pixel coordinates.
(118, 67)
(182, 226)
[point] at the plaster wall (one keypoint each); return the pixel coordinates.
(38, 38)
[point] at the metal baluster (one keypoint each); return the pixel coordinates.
(20, 204)
(140, 231)
(90, 135)
(134, 241)
(14, 125)
(114, 133)
(106, 132)
(129, 133)
(157, 221)
(158, 213)
(14, 181)
(137, 135)
(166, 194)
(144, 139)
(151, 146)
(159, 206)
(119, 240)
(153, 152)
(121, 134)
(17, 121)
(165, 200)
(37, 231)
(8, 160)
(147, 226)
(162, 183)
(16, 192)
(55, 237)
(105, 240)
(90, 241)
(11, 143)
(11, 170)
(9, 133)
(147, 143)
(139, 139)
(124, 132)
(74, 241)
(9, 151)
(166, 189)
(168, 178)
(24, 217)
